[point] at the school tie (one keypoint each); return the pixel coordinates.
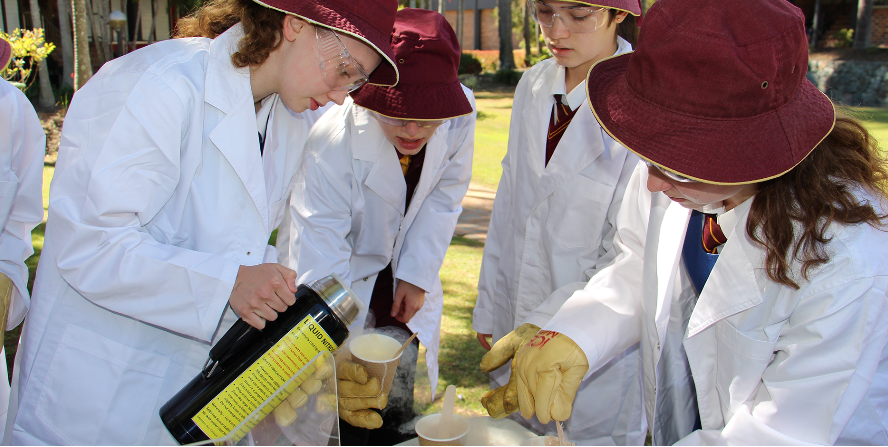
(712, 234)
(558, 121)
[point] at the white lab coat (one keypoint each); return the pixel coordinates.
(552, 229)
(22, 147)
(347, 211)
(771, 365)
(159, 196)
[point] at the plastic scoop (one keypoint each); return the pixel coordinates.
(447, 412)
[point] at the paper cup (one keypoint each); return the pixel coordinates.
(375, 351)
(427, 430)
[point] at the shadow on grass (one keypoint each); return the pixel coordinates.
(11, 338)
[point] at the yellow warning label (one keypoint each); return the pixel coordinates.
(243, 395)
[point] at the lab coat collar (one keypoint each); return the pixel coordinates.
(370, 144)
(236, 136)
(732, 286)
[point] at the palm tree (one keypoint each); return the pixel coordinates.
(46, 100)
(82, 64)
(506, 58)
(67, 46)
(863, 35)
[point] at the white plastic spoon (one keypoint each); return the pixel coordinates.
(447, 412)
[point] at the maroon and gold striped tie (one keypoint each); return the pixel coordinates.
(712, 234)
(561, 116)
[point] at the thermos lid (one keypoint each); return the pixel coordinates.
(339, 297)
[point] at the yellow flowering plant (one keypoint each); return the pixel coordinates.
(28, 49)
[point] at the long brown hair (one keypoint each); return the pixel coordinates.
(263, 28)
(818, 192)
(627, 29)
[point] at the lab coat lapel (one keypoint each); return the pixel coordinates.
(536, 115)
(385, 177)
(236, 134)
(579, 146)
(675, 223)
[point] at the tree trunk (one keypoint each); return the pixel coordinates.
(506, 58)
(536, 35)
(643, 5)
(106, 28)
(412, 3)
(67, 47)
(461, 21)
(818, 23)
(94, 31)
(863, 34)
(527, 47)
(152, 33)
(47, 99)
(82, 63)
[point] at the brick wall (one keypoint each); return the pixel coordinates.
(880, 26)
(489, 30)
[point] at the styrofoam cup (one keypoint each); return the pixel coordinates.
(427, 430)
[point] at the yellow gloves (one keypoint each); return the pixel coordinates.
(546, 373)
(358, 393)
(285, 413)
(503, 401)
(550, 368)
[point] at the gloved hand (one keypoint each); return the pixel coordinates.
(358, 393)
(503, 401)
(285, 412)
(548, 371)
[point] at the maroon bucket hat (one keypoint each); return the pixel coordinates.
(715, 91)
(370, 21)
(5, 53)
(427, 52)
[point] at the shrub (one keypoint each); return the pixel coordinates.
(469, 64)
(28, 49)
(507, 77)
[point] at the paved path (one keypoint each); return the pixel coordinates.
(475, 218)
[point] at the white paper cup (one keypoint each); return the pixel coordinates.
(371, 351)
(427, 431)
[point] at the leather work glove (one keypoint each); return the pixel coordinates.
(358, 393)
(285, 412)
(503, 401)
(548, 370)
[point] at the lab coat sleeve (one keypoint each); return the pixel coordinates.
(320, 216)
(500, 221)
(23, 145)
(607, 251)
(825, 361)
(604, 317)
(118, 166)
(428, 238)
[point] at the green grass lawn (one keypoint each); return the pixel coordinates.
(491, 135)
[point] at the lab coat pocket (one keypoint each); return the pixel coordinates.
(7, 197)
(577, 212)
(741, 361)
(96, 385)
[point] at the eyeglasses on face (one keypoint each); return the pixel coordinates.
(669, 174)
(341, 71)
(580, 19)
(402, 122)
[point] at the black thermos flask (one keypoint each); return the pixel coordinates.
(247, 365)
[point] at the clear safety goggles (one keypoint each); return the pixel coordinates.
(341, 71)
(400, 122)
(580, 19)
(671, 175)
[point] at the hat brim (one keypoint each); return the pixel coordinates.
(380, 40)
(415, 101)
(717, 151)
(5, 53)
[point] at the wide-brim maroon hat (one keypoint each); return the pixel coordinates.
(5, 53)
(631, 6)
(427, 52)
(715, 91)
(369, 21)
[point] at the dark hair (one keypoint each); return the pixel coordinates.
(263, 28)
(817, 193)
(627, 29)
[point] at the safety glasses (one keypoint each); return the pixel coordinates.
(401, 122)
(671, 175)
(580, 19)
(341, 71)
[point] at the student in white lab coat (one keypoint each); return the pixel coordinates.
(780, 335)
(554, 215)
(378, 196)
(174, 166)
(22, 146)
